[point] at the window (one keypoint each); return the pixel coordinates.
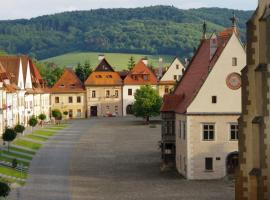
(107, 93)
(208, 131)
(145, 77)
(70, 100)
(116, 93)
(234, 131)
(209, 164)
(182, 129)
(109, 76)
(166, 90)
(93, 94)
(179, 77)
(108, 107)
(78, 99)
(175, 77)
(116, 109)
(57, 100)
(214, 99)
(234, 61)
(177, 66)
(129, 92)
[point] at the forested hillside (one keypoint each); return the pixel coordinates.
(150, 30)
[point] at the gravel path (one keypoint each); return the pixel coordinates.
(110, 159)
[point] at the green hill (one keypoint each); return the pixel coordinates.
(156, 30)
(117, 60)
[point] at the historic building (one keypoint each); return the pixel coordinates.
(104, 91)
(200, 126)
(139, 76)
(253, 180)
(68, 95)
(170, 78)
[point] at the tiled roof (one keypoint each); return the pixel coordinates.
(68, 83)
(136, 76)
(104, 78)
(194, 77)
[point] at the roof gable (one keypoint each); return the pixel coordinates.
(68, 83)
(176, 68)
(104, 66)
(197, 72)
(141, 75)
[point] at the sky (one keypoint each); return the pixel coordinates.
(15, 9)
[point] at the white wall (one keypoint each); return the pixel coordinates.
(172, 71)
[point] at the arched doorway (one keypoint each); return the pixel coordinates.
(129, 110)
(232, 163)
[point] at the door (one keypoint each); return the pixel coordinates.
(232, 163)
(93, 111)
(70, 114)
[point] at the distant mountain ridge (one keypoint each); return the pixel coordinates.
(150, 30)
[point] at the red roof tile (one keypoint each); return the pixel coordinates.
(103, 78)
(136, 76)
(194, 77)
(68, 83)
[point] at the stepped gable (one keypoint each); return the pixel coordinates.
(195, 75)
(141, 75)
(104, 75)
(68, 83)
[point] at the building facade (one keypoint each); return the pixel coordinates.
(253, 180)
(68, 95)
(139, 76)
(104, 91)
(170, 78)
(207, 104)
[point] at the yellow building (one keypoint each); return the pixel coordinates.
(253, 181)
(68, 94)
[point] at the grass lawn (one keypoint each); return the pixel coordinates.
(22, 150)
(3, 158)
(27, 144)
(17, 155)
(34, 137)
(12, 172)
(118, 60)
(44, 133)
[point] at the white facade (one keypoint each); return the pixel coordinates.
(174, 72)
(193, 151)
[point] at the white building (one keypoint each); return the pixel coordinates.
(139, 76)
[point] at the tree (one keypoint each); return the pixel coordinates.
(83, 71)
(57, 114)
(42, 117)
(4, 189)
(147, 103)
(65, 113)
(19, 128)
(9, 135)
(131, 63)
(33, 122)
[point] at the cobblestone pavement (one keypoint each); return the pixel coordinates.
(111, 159)
(119, 160)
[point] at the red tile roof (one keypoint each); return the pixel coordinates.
(194, 77)
(136, 76)
(97, 78)
(68, 83)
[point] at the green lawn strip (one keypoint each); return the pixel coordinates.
(17, 155)
(44, 133)
(6, 159)
(55, 128)
(34, 137)
(12, 172)
(27, 144)
(22, 150)
(9, 181)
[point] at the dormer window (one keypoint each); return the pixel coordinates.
(72, 85)
(145, 77)
(62, 85)
(98, 76)
(109, 76)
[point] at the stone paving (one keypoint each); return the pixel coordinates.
(110, 159)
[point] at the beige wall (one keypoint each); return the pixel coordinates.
(64, 104)
(174, 70)
(162, 89)
(198, 149)
(228, 101)
(105, 106)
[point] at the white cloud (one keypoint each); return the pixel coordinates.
(13, 9)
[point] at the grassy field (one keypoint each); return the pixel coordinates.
(118, 60)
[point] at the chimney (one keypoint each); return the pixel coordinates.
(160, 65)
(145, 61)
(213, 45)
(101, 57)
(186, 62)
